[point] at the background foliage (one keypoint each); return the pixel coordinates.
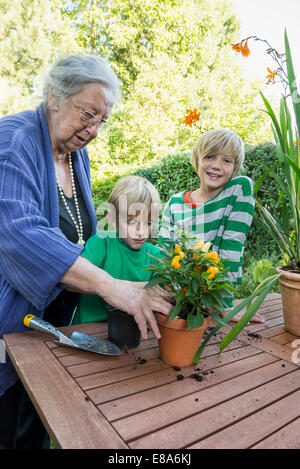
(170, 56)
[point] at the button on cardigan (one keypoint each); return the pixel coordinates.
(34, 253)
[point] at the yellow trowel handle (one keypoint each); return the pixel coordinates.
(40, 325)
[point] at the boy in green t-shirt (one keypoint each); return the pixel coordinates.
(134, 206)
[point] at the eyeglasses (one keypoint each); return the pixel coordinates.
(89, 119)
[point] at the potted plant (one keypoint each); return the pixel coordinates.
(198, 281)
(286, 130)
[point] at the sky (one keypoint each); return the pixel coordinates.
(268, 19)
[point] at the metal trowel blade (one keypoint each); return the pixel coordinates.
(94, 344)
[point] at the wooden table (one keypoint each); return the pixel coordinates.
(249, 396)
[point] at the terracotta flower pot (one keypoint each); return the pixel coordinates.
(178, 344)
(290, 293)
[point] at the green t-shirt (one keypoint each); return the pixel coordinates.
(107, 251)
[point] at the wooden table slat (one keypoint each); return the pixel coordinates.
(62, 418)
(287, 437)
(183, 434)
(174, 389)
(248, 431)
(213, 394)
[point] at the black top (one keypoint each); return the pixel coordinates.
(66, 224)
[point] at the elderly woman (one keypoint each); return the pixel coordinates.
(47, 214)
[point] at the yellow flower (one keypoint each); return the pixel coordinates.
(177, 249)
(212, 271)
(206, 246)
(175, 262)
(199, 245)
(213, 255)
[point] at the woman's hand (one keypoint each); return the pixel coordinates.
(140, 302)
(132, 297)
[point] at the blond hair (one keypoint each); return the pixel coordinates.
(135, 192)
(219, 141)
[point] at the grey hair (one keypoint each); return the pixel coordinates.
(71, 74)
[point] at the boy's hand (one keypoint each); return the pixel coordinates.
(255, 318)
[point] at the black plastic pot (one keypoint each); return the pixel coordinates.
(122, 329)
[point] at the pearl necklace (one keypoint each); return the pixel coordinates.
(78, 226)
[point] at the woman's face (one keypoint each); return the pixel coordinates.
(70, 126)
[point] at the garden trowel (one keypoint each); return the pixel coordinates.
(77, 340)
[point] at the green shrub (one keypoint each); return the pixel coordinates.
(258, 159)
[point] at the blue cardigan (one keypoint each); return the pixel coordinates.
(34, 253)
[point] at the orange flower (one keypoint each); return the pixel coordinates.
(271, 75)
(175, 262)
(245, 49)
(213, 255)
(199, 246)
(212, 271)
(239, 47)
(184, 289)
(192, 117)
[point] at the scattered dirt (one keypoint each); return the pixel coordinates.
(180, 377)
(254, 335)
(141, 361)
(176, 368)
(197, 377)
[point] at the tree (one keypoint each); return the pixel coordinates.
(171, 55)
(32, 34)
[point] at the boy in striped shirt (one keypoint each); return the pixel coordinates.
(221, 209)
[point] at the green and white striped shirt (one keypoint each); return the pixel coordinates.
(223, 220)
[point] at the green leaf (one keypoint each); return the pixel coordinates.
(195, 320)
(261, 292)
(220, 320)
(207, 301)
(244, 320)
(195, 285)
(175, 311)
(232, 313)
(262, 177)
(273, 117)
(157, 281)
(292, 82)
